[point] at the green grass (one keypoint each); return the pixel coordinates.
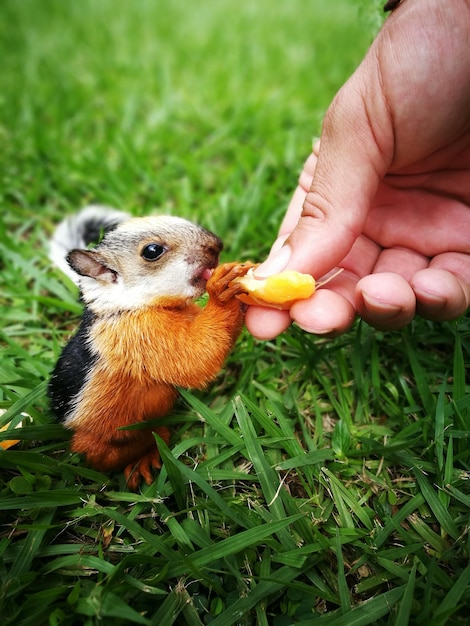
(316, 481)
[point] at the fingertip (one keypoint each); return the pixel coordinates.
(440, 295)
(327, 313)
(318, 244)
(265, 324)
(385, 300)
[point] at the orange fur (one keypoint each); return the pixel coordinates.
(143, 355)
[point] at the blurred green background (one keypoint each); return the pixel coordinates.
(203, 109)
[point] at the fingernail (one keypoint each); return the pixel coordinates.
(277, 245)
(275, 263)
(376, 306)
(433, 300)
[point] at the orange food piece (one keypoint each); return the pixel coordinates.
(279, 291)
(8, 443)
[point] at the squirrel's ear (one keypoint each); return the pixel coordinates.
(89, 263)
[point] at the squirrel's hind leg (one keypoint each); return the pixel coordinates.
(143, 469)
(135, 452)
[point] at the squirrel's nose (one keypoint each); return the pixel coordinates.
(216, 249)
(214, 245)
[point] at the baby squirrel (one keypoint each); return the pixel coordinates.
(141, 335)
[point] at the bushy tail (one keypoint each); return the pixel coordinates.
(79, 231)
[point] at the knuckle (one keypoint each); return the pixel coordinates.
(313, 207)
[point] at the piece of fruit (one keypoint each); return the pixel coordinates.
(8, 443)
(279, 291)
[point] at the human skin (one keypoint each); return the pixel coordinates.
(385, 194)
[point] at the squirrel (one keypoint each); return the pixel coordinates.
(142, 335)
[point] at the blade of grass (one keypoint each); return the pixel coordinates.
(22, 404)
(264, 589)
(343, 588)
(41, 499)
(211, 418)
(229, 512)
(80, 562)
(404, 612)
(450, 603)
(337, 496)
(346, 500)
(151, 543)
(420, 378)
(439, 427)
(231, 545)
(105, 605)
(428, 535)
(435, 504)
(269, 480)
(368, 612)
(448, 473)
(459, 375)
(190, 614)
(314, 457)
(459, 495)
(171, 607)
(264, 574)
(31, 545)
(174, 475)
(405, 511)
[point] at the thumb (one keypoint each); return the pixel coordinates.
(356, 148)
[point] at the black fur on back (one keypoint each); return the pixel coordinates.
(71, 369)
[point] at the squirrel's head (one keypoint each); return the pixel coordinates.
(159, 260)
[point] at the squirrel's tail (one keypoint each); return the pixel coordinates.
(79, 231)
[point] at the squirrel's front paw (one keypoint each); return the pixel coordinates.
(220, 286)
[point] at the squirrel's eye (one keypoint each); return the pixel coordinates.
(153, 251)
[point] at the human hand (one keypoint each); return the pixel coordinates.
(386, 193)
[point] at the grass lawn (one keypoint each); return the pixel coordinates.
(317, 481)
